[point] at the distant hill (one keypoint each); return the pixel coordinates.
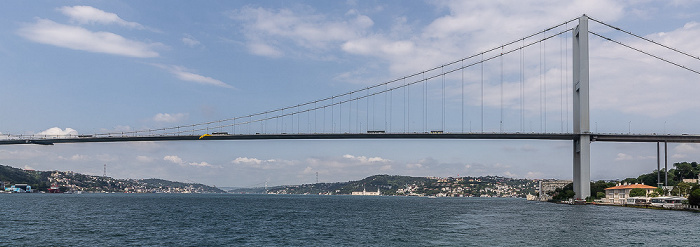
(71, 181)
(488, 186)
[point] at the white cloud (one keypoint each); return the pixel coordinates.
(77, 38)
(177, 160)
(510, 175)
(246, 160)
(687, 148)
(56, 131)
(83, 157)
(200, 164)
(22, 154)
(91, 15)
(174, 159)
(264, 30)
(190, 41)
(182, 73)
(365, 160)
(623, 156)
(169, 118)
(263, 49)
(78, 157)
(264, 164)
(144, 159)
(532, 175)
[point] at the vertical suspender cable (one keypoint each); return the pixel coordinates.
(357, 116)
(308, 122)
(405, 102)
(408, 108)
(482, 92)
(561, 82)
(367, 113)
(462, 71)
(391, 110)
(350, 114)
(386, 105)
(425, 101)
(315, 117)
(281, 119)
(374, 112)
(292, 116)
(522, 86)
(566, 36)
(443, 98)
(324, 118)
(541, 74)
(544, 61)
(501, 88)
(298, 113)
(386, 86)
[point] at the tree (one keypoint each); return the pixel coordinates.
(638, 192)
(694, 198)
(681, 189)
(630, 181)
(600, 195)
(599, 187)
(565, 193)
(684, 170)
(650, 178)
(657, 192)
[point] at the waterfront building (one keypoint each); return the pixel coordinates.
(549, 186)
(19, 188)
(366, 193)
(619, 194)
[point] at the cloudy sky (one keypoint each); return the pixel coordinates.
(83, 67)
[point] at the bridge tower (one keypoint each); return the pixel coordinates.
(582, 142)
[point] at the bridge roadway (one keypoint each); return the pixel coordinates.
(684, 138)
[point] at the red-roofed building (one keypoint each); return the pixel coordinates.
(620, 193)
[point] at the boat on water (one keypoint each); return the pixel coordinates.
(668, 201)
(54, 189)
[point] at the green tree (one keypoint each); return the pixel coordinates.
(650, 178)
(681, 189)
(630, 181)
(600, 195)
(599, 187)
(694, 198)
(564, 193)
(684, 170)
(638, 192)
(657, 192)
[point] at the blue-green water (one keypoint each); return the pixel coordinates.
(274, 220)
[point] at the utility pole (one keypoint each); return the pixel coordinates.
(104, 171)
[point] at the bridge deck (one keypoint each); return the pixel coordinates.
(466, 136)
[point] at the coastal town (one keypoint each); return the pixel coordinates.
(14, 180)
(681, 193)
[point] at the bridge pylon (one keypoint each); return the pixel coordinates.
(582, 141)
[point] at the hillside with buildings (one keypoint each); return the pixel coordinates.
(489, 186)
(72, 182)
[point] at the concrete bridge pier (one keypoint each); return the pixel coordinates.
(582, 142)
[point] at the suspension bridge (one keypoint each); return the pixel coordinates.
(535, 88)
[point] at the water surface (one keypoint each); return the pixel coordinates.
(290, 220)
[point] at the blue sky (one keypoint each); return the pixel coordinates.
(102, 66)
